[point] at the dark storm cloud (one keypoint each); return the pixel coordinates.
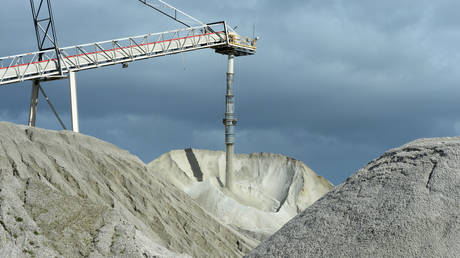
(335, 83)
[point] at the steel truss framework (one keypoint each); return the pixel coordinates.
(172, 12)
(45, 64)
(45, 31)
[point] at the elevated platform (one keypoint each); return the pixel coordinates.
(237, 45)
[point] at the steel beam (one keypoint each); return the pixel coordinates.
(172, 12)
(229, 122)
(34, 103)
(73, 102)
(45, 30)
(52, 108)
(43, 64)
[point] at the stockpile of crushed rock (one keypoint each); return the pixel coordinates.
(404, 204)
(269, 189)
(70, 195)
(64, 194)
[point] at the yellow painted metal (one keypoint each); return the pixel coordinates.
(238, 40)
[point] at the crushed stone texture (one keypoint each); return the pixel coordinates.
(269, 189)
(64, 194)
(404, 204)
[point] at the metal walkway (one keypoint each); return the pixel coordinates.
(119, 51)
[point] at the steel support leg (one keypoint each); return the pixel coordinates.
(73, 102)
(34, 103)
(229, 122)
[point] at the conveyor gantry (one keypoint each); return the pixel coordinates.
(53, 62)
(118, 51)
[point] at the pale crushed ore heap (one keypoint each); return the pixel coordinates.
(269, 189)
(64, 194)
(403, 204)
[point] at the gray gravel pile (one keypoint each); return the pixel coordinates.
(268, 189)
(69, 195)
(404, 204)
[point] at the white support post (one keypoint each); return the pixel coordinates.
(34, 103)
(229, 122)
(73, 102)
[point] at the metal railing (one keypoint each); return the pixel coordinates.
(81, 57)
(242, 41)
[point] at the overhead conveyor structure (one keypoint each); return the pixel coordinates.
(99, 54)
(53, 63)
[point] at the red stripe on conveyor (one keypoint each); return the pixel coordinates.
(108, 50)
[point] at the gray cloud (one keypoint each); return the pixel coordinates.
(335, 83)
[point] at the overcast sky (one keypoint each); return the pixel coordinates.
(335, 83)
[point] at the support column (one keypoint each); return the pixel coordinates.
(73, 102)
(34, 103)
(229, 122)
